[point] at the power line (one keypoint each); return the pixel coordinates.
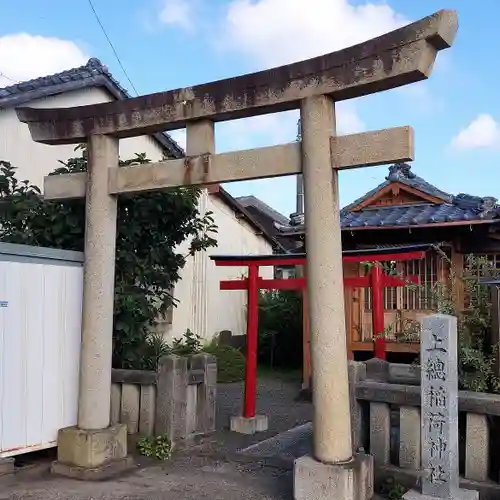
(8, 77)
(111, 45)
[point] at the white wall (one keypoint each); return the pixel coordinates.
(203, 307)
(34, 160)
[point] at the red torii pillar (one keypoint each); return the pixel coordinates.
(376, 279)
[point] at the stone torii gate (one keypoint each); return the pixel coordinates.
(398, 58)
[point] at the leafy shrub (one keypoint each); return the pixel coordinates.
(188, 345)
(151, 351)
(280, 328)
(391, 489)
(150, 227)
(230, 362)
(475, 356)
(159, 447)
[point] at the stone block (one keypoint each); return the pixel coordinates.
(380, 432)
(477, 456)
(409, 440)
(171, 402)
(206, 392)
(91, 453)
(460, 494)
(116, 403)
(243, 425)
(147, 410)
(377, 369)
(318, 481)
(357, 372)
(93, 474)
(130, 406)
(6, 466)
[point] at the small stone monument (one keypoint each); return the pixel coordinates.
(439, 417)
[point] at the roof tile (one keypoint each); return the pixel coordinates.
(93, 74)
(462, 207)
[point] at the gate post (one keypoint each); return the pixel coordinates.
(93, 448)
(332, 469)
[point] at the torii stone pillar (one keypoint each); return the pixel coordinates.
(325, 280)
(403, 56)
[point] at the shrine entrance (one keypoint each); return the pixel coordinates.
(313, 87)
(376, 280)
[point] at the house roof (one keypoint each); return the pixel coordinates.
(93, 74)
(267, 217)
(254, 221)
(253, 201)
(462, 208)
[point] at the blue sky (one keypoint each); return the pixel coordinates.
(167, 44)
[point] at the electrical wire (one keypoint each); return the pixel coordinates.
(8, 77)
(111, 45)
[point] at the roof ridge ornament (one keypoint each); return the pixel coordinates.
(400, 171)
(96, 64)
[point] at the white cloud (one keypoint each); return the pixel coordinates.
(275, 32)
(348, 120)
(177, 13)
(24, 56)
(482, 132)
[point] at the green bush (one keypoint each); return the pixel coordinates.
(150, 228)
(475, 356)
(188, 345)
(230, 362)
(280, 329)
(158, 447)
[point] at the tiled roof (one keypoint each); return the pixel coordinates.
(266, 230)
(93, 74)
(253, 201)
(267, 216)
(460, 208)
(401, 172)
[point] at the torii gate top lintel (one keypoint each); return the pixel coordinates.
(400, 57)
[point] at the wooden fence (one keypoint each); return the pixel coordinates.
(178, 400)
(385, 403)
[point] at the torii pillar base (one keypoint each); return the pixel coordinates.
(251, 425)
(92, 455)
(313, 480)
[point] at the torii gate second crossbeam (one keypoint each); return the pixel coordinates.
(376, 280)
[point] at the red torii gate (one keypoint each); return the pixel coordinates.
(377, 280)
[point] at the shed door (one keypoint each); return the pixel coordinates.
(40, 325)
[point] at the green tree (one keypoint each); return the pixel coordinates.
(280, 328)
(149, 229)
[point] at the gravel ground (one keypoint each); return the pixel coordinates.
(185, 478)
(203, 471)
(275, 398)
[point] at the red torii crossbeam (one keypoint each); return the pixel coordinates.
(376, 279)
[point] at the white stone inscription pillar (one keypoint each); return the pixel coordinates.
(439, 416)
